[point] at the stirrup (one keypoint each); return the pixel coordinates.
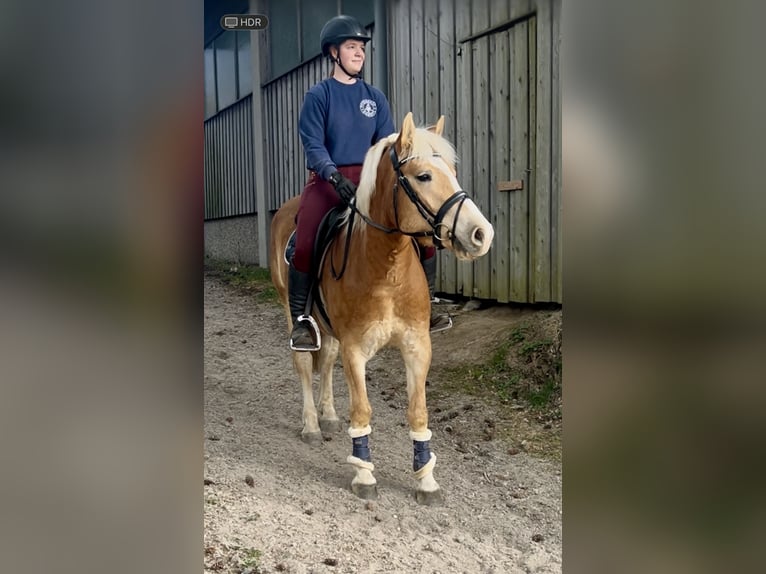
(314, 328)
(437, 323)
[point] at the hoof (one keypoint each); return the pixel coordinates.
(312, 438)
(429, 498)
(330, 425)
(365, 491)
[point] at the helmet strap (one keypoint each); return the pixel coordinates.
(345, 71)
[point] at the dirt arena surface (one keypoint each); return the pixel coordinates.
(275, 504)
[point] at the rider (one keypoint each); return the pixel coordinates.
(341, 118)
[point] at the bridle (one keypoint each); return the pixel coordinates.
(434, 220)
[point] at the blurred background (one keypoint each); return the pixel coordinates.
(664, 282)
(100, 290)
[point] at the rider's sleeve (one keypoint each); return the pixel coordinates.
(311, 125)
(385, 123)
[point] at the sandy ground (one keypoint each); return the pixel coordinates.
(275, 504)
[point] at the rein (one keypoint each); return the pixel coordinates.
(434, 220)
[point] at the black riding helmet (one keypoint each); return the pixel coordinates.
(339, 29)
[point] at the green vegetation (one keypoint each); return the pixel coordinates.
(256, 280)
(250, 558)
(524, 369)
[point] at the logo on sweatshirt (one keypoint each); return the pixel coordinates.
(368, 107)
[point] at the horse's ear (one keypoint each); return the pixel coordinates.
(438, 129)
(407, 132)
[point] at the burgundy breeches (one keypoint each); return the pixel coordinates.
(318, 197)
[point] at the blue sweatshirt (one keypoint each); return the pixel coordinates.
(339, 122)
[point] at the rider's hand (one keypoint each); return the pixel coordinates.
(344, 186)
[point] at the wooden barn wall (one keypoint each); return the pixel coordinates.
(491, 67)
(283, 98)
(228, 161)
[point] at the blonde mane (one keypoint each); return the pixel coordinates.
(425, 143)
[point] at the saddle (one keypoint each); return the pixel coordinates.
(331, 224)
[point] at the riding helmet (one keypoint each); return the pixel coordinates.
(339, 29)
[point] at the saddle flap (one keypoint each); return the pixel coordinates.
(331, 224)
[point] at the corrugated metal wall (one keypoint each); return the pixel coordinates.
(229, 175)
(491, 67)
(283, 98)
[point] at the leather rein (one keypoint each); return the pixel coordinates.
(434, 220)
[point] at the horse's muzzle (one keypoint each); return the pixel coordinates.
(473, 233)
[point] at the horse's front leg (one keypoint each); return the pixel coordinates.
(363, 483)
(416, 351)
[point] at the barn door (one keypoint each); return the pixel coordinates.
(496, 145)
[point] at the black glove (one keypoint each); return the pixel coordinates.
(344, 186)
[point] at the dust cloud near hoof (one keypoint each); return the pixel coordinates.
(433, 498)
(365, 491)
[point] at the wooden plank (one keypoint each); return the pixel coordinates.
(238, 149)
(282, 139)
(463, 127)
(519, 8)
(417, 63)
(500, 143)
(542, 227)
(224, 163)
(241, 148)
(498, 156)
(519, 134)
(431, 43)
(404, 69)
(447, 280)
(371, 72)
(292, 132)
(268, 116)
(393, 57)
(477, 282)
(250, 158)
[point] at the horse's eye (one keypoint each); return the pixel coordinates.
(425, 176)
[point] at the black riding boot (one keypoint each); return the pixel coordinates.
(305, 335)
(439, 321)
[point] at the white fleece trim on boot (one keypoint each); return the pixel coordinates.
(359, 463)
(427, 468)
(421, 435)
(356, 433)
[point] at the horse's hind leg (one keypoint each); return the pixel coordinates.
(416, 352)
(328, 419)
(363, 484)
(304, 367)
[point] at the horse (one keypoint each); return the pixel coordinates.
(408, 193)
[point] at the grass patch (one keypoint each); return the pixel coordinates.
(523, 370)
(250, 558)
(251, 278)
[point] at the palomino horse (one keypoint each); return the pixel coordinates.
(408, 188)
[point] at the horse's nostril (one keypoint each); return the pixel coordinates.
(478, 235)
